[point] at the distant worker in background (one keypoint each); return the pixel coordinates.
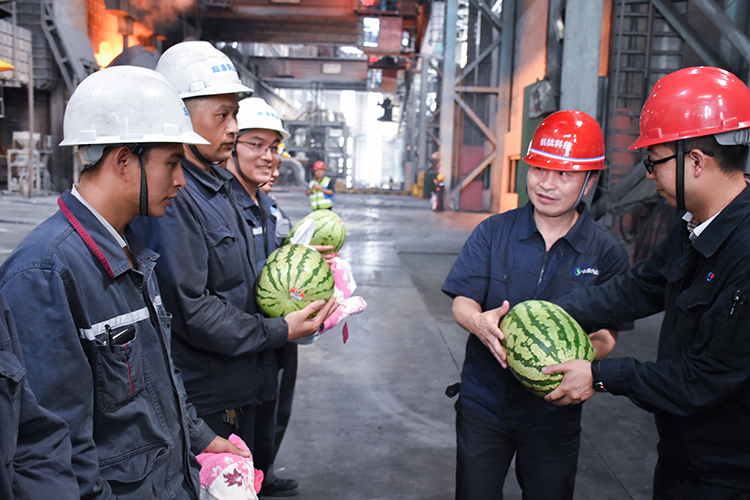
(540, 251)
(321, 190)
(437, 195)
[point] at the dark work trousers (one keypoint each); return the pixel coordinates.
(243, 426)
(546, 461)
(675, 483)
(272, 417)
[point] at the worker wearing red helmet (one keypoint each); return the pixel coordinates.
(695, 127)
(321, 190)
(541, 251)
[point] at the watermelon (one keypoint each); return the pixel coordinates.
(329, 229)
(537, 334)
(293, 277)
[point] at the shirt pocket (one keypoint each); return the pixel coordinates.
(691, 304)
(226, 257)
(119, 373)
(11, 379)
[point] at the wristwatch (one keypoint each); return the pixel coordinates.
(597, 376)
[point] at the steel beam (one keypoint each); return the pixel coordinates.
(447, 90)
(477, 121)
(691, 37)
(726, 26)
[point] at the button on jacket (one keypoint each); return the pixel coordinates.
(505, 258)
(699, 388)
(34, 442)
(124, 404)
(208, 277)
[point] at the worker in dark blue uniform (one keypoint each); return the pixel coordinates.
(254, 163)
(34, 442)
(548, 248)
(222, 344)
(695, 127)
(91, 322)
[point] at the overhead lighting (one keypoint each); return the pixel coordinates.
(284, 1)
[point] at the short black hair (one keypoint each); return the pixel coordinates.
(146, 149)
(729, 158)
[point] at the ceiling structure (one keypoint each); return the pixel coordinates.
(327, 24)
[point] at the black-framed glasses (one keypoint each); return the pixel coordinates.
(650, 164)
(261, 149)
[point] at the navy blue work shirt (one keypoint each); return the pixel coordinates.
(207, 273)
(505, 258)
(262, 224)
(34, 442)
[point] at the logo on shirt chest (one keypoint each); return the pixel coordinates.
(578, 271)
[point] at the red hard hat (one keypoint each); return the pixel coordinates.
(567, 140)
(693, 102)
(319, 165)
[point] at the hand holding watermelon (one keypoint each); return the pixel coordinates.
(577, 384)
(539, 334)
(483, 324)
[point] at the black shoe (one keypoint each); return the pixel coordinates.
(280, 488)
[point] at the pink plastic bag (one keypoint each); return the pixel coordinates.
(226, 476)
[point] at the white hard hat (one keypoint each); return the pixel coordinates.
(126, 105)
(199, 69)
(255, 113)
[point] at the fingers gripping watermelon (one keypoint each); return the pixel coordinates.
(329, 229)
(537, 334)
(293, 277)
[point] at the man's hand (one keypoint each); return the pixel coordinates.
(484, 325)
(300, 322)
(326, 251)
(221, 445)
(577, 384)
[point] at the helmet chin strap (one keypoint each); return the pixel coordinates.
(200, 157)
(143, 198)
(237, 164)
(680, 176)
(580, 195)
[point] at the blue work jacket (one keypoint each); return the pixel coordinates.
(699, 386)
(208, 273)
(262, 223)
(132, 434)
(34, 442)
(506, 258)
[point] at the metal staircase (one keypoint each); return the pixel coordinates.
(71, 68)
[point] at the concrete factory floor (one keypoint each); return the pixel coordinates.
(371, 420)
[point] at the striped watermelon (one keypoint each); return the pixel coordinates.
(293, 277)
(537, 334)
(329, 229)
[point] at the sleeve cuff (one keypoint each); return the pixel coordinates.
(200, 437)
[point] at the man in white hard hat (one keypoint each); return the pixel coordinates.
(254, 160)
(94, 332)
(222, 344)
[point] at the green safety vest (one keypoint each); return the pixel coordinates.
(318, 199)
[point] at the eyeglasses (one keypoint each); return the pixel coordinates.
(260, 149)
(650, 164)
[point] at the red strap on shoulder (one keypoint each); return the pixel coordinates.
(85, 236)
